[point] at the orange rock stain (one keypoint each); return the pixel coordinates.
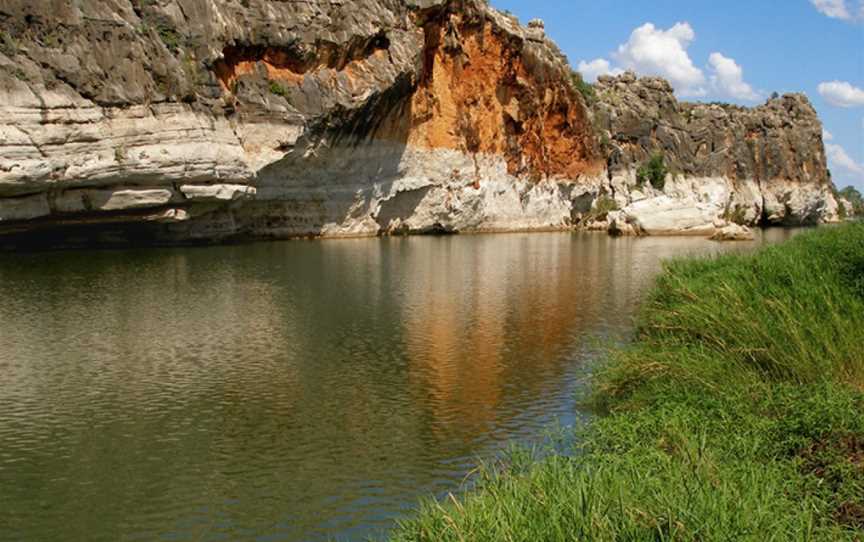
(474, 93)
(479, 97)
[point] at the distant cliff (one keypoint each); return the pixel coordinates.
(763, 165)
(205, 120)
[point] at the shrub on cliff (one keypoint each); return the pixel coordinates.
(8, 46)
(602, 207)
(277, 89)
(585, 89)
(653, 172)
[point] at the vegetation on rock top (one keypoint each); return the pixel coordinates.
(853, 196)
(584, 88)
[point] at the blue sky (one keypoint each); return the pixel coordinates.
(732, 50)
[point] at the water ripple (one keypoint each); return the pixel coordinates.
(290, 391)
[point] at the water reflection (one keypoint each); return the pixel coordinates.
(290, 391)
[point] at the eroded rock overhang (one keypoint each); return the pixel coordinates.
(199, 121)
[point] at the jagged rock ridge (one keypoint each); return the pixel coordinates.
(199, 120)
(762, 165)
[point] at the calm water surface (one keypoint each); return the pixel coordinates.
(291, 391)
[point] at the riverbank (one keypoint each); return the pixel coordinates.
(735, 414)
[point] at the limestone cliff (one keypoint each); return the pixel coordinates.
(763, 165)
(198, 120)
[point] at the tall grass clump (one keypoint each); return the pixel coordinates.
(736, 414)
(792, 312)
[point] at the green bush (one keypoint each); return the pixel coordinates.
(735, 214)
(277, 89)
(854, 197)
(602, 207)
(654, 172)
(169, 36)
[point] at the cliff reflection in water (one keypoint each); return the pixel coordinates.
(297, 391)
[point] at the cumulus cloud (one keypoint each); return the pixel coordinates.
(838, 158)
(841, 94)
(728, 78)
(836, 9)
(597, 67)
(826, 135)
(844, 10)
(653, 51)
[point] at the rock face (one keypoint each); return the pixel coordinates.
(763, 165)
(204, 120)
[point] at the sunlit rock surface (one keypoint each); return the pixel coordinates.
(733, 232)
(207, 120)
(727, 164)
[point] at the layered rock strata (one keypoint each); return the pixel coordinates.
(725, 164)
(207, 120)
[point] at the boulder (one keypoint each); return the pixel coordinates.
(665, 215)
(619, 224)
(733, 232)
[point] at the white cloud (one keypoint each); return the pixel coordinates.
(841, 94)
(654, 51)
(840, 9)
(728, 79)
(836, 9)
(597, 67)
(826, 135)
(838, 158)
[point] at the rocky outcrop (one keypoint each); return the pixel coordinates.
(186, 120)
(751, 166)
(201, 120)
(733, 232)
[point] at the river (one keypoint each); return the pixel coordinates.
(293, 390)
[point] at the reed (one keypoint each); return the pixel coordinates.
(737, 413)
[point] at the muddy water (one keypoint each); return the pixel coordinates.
(292, 391)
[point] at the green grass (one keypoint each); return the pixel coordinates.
(8, 45)
(736, 414)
